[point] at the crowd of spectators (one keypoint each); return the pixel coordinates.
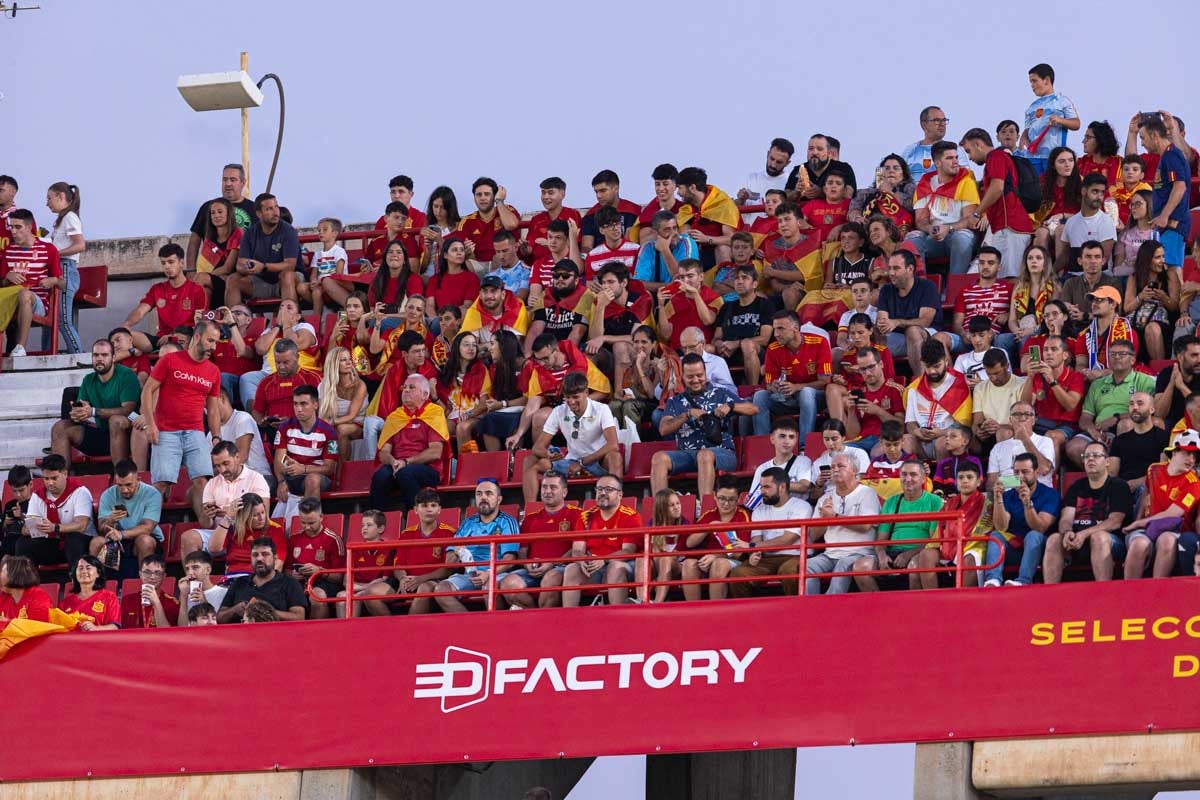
(991, 342)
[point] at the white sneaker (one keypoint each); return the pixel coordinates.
(1013, 583)
(18, 351)
(991, 584)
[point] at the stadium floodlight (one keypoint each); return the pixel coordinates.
(223, 91)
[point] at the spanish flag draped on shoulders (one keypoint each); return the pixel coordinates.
(936, 406)
(462, 395)
(538, 380)
(405, 428)
(715, 210)
(805, 254)
(389, 355)
(387, 396)
(512, 316)
(941, 200)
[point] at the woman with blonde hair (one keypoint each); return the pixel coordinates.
(668, 512)
(1034, 288)
(343, 398)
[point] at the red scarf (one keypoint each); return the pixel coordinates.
(972, 512)
(952, 400)
(54, 506)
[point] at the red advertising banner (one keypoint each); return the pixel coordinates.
(764, 673)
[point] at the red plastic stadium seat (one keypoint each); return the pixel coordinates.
(93, 287)
(474, 466)
(640, 456)
(708, 503)
(955, 285)
(174, 540)
(518, 469)
(54, 590)
(814, 445)
(755, 450)
(96, 484)
(355, 481)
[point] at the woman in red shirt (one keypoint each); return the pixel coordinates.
(88, 596)
(1062, 193)
(250, 521)
(218, 255)
(20, 594)
(1100, 153)
(395, 280)
(454, 283)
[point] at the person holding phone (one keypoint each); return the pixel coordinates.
(129, 513)
(1024, 440)
(1023, 517)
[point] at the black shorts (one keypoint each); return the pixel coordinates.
(393, 583)
(95, 441)
(330, 588)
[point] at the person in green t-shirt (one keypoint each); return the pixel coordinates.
(98, 421)
(1106, 405)
(912, 500)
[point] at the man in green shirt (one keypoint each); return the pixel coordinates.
(890, 550)
(98, 422)
(1106, 405)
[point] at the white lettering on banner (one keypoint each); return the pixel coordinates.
(180, 375)
(467, 675)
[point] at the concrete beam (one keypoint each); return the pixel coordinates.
(259, 785)
(943, 772)
(761, 774)
(1086, 766)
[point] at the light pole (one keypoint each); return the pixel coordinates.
(220, 91)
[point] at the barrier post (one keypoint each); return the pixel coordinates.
(958, 553)
(803, 559)
(349, 585)
(647, 566)
(491, 595)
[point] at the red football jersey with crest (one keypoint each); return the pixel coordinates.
(568, 518)
(420, 559)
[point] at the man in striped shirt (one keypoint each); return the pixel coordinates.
(306, 449)
(32, 265)
(989, 297)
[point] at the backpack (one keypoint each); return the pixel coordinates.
(1029, 184)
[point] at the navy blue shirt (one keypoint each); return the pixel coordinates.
(922, 295)
(1172, 167)
(1045, 500)
(271, 248)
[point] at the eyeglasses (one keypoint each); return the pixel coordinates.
(1094, 455)
(721, 499)
(608, 489)
(1021, 414)
(938, 120)
(1120, 353)
(152, 573)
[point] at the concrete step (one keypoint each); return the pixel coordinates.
(42, 363)
(22, 451)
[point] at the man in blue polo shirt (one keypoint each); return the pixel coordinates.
(488, 521)
(1171, 183)
(129, 514)
(1023, 516)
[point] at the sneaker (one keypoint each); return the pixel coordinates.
(18, 351)
(1013, 583)
(991, 584)
(469, 447)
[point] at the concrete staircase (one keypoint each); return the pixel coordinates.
(30, 402)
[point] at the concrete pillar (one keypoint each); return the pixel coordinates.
(485, 781)
(943, 772)
(761, 774)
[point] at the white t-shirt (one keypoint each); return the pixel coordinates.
(826, 460)
(794, 508)
(799, 471)
(61, 235)
(844, 322)
(757, 183)
(590, 425)
(269, 358)
(79, 504)
(970, 364)
(238, 426)
(1001, 460)
(1079, 229)
(325, 262)
(862, 502)
(918, 408)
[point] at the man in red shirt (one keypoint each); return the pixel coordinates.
(999, 208)
(664, 176)
(536, 246)
(492, 215)
(874, 404)
(616, 313)
(714, 216)
(611, 555)
(989, 297)
(273, 398)
(34, 266)
(182, 388)
(400, 190)
(175, 300)
(411, 447)
(555, 516)
(541, 381)
(151, 607)
(396, 221)
(797, 368)
(607, 187)
(411, 358)
(1056, 392)
(419, 569)
(306, 449)
(312, 548)
(687, 303)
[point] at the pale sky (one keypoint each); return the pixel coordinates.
(448, 92)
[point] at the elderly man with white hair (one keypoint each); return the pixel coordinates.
(849, 498)
(692, 341)
(411, 448)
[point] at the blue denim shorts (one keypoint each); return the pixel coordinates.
(685, 460)
(534, 580)
(39, 308)
(595, 468)
(189, 449)
(462, 582)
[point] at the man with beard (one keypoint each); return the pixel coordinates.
(267, 585)
(183, 388)
(174, 301)
(821, 162)
(714, 216)
(779, 156)
(1023, 516)
(1135, 450)
(491, 216)
(495, 309)
(611, 555)
(1094, 510)
(797, 368)
(936, 400)
(1106, 329)
(1089, 224)
(777, 504)
(488, 520)
(233, 184)
(565, 308)
(616, 314)
(1178, 382)
(658, 260)
(536, 246)
(98, 422)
